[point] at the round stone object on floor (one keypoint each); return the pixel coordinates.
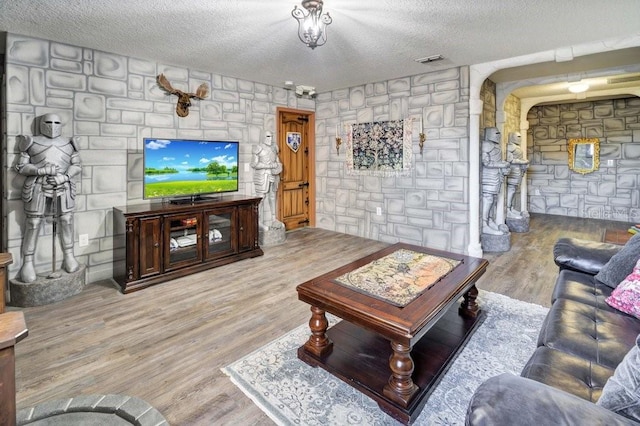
(94, 410)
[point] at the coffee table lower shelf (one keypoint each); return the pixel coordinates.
(361, 359)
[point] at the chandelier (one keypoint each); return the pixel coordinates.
(312, 24)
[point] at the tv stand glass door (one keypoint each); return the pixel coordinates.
(185, 245)
(219, 234)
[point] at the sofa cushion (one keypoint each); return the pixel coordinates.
(626, 296)
(583, 255)
(578, 376)
(621, 393)
(603, 337)
(511, 400)
(621, 264)
(581, 287)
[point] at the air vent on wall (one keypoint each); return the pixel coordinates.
(617, 80)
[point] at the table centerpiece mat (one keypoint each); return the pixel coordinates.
(398, 278)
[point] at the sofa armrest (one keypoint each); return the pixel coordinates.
(583, 255)
(512, 400)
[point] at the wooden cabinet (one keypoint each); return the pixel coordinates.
(158, 242)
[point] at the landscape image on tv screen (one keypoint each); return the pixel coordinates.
(179, 167)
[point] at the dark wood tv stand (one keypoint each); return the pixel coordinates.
(157, 242)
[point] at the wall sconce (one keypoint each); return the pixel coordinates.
(312, 25)
(423, 137)
(338, 141)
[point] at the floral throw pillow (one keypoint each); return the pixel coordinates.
(626, 296)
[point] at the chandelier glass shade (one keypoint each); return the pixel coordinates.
(312, 24)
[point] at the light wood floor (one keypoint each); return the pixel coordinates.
(167, 343)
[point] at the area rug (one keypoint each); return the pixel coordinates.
(292, 393)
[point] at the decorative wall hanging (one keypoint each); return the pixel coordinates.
(380, 148)
(293, 141)
(184, 99)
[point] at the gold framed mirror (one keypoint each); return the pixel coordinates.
(584, 155)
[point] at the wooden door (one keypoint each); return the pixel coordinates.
(297, 188)
(247, 227)
(150, 247)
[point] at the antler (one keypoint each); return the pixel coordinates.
(201, 92)
(182, 107)
(164, 83)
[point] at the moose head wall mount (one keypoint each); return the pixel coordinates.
(184, 99)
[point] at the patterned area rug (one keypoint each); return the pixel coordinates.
(293, 393)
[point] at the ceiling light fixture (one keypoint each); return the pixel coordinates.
(312, 25)
(578, 87)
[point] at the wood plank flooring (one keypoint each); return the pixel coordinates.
(167, 343)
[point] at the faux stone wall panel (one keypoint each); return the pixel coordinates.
(65, 80)
(59, 103)
(17, 84)
(89, 107)
(37, 87)
(405, 200)
(26, 51)
(594, 194)
(107, 179)
(108, 86)
(68, 66)
(631, 151)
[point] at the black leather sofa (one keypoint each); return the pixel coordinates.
(581, 342)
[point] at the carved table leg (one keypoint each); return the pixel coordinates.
(318, 343)
(469, 307)
(400, 387)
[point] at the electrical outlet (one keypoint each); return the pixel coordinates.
(379, 211)
(83, 240)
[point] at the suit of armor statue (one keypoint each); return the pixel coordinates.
(493, 172)
(266, 177)
(49, 162)
(519, 165)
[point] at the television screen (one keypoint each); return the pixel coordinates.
(180, 168)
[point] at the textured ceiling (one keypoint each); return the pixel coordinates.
(368, 41)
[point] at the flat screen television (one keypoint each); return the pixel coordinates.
(187, 169)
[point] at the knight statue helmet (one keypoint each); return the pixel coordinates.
(268, 138)
(514, 137)
(51, 125)
(492, 134)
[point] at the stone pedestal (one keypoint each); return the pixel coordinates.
(518, 224)
(495, 243)
(44, 291)
(273, 235)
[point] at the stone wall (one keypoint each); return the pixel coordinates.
(612, 192)
(512, 124)
(488, 98)
(110, 103)
(428, 208)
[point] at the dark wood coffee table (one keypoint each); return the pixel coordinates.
(395, 355)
